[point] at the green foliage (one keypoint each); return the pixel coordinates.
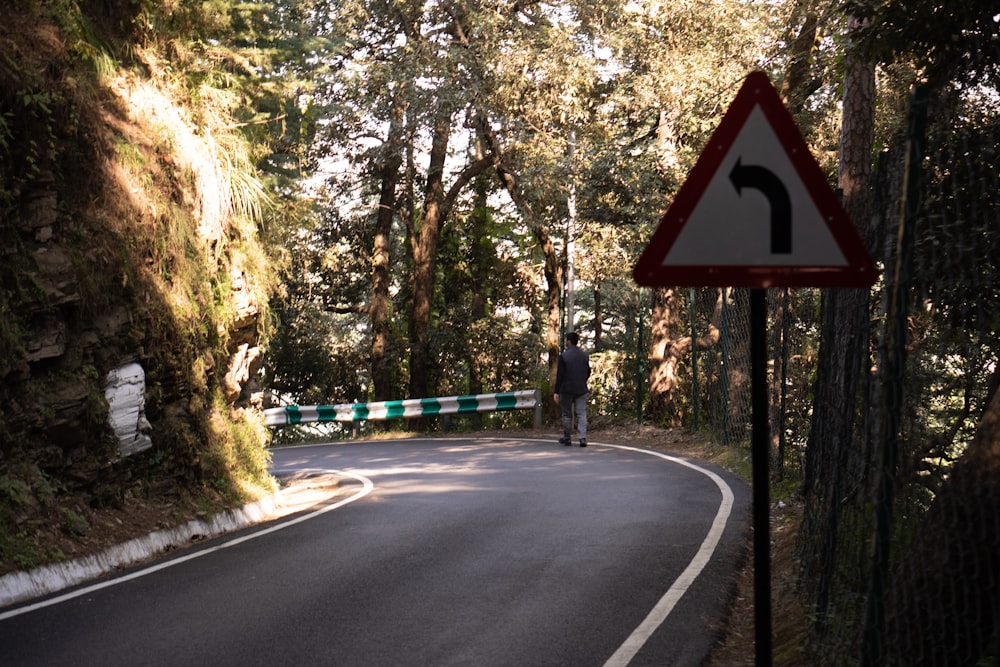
(24, 491)
(6, 131)
(155, 211)
(18, 291)
(15, 492)
(29, 137)
(603, 74)
(613, 384)
(73, 523)
(316, 357)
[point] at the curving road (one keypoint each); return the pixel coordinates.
(435, 552)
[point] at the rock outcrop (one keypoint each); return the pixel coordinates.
(130, 307)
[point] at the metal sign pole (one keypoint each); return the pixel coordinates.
(761, 477)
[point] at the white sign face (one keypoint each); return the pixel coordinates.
(732, 227)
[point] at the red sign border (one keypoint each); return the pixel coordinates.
(757, 90)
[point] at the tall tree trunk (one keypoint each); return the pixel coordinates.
(553, 271)
(664, 331)
(598, 315)
(481, 262)
(553, 280)
(944, 601)
(799, 82)
(552, 268)
(570, 247)
(379, 311)
(665, 325)
(425, 250)
(844, 345)
(668, 347)
(437, 205)
(856, 183)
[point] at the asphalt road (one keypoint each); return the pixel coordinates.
(434, 552)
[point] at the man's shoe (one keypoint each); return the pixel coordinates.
(583, 443)
(565, 441)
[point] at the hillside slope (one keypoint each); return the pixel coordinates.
(127, 242)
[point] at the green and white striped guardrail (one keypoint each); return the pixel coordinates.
(412, 407)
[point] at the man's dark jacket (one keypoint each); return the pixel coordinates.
(573, 372)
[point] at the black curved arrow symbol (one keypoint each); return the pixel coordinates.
(765, 180)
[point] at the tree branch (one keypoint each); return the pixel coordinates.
(466, 175)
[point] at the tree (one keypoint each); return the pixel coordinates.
(959, 535)
(919, 459)
(845, 334)
(417, 89)
(426, 81)
(380, 308)
(683, 65)
(949, 477)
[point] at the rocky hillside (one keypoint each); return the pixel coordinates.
(132, 288)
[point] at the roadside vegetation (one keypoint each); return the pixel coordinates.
(311, 202)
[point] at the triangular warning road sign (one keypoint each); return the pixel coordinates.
(756, 210)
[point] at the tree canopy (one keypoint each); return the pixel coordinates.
(387, 199)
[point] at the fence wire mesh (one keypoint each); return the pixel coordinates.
(900, 541)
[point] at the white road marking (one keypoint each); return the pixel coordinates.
(623, 656)
(367, 488)
(620, 658)
(659, 614)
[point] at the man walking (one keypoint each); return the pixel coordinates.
(571, 389)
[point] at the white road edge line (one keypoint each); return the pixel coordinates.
(367, 488)
(623, 656)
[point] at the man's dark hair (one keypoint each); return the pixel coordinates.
(573, 337)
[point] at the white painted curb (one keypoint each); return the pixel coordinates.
(20, 586)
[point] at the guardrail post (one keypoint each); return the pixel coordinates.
(538, 408)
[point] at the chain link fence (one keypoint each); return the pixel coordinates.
(900, 542)
(903, 569)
